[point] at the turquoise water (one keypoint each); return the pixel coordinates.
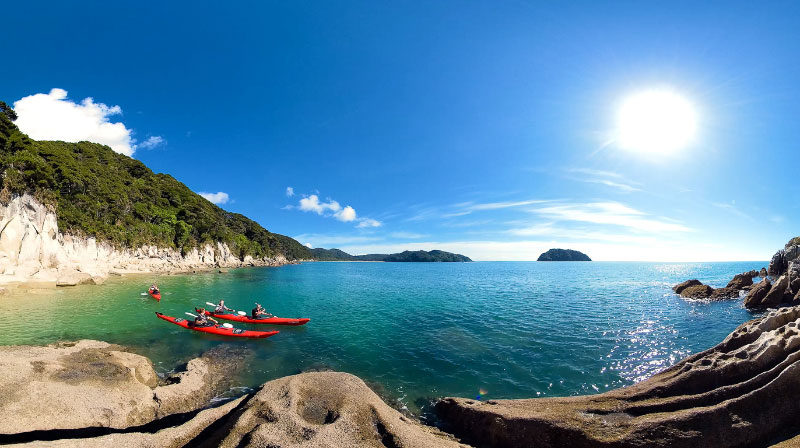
(416, 331)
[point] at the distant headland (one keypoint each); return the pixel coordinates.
(563, 255)
(405, 256)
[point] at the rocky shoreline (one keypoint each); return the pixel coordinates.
(33, 252)
(742, 392)
(779, 285)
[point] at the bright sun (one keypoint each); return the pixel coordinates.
(656, 122)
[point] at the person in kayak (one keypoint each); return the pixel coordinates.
(221, 308)
(153, 289)
(259, 312)
(201, 320)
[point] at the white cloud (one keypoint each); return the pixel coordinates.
(152, 142)
(308, 245)
(52, 116)
(367, 222)
(332, 209)
(216, 198)
(289, 192)
(312, 204)
(347, 214)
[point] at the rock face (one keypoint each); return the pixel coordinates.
(743, 392)
(33, 249)
(95, 384)
(756, 295)
(563, 255)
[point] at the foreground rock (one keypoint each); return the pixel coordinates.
(743, 392)
(319, 409)
(325, 409)
(90, 384)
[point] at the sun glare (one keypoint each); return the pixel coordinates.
(656, 122)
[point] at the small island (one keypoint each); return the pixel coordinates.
(563, 255)
(417, 256)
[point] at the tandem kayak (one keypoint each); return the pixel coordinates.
(249, 320)
(216, 329)
(156, 295)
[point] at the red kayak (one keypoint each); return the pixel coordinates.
(217, 329)
(156, 295)
(249, 320)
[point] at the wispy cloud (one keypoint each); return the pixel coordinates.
(289, 192)
(601, 177)
(732, 208)
(152, 142)
(367, 222)
(330, 241)
(501, 205)
(407, 235)
(610, 213)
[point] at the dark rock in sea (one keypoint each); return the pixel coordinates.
(681, 286)
(741, 281)
(563, 255)
(756, 295)
(778, 265)
(762, 272)
(743, 392)
(697, 292)
(778, 294)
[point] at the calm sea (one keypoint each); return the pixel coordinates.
(416, 331)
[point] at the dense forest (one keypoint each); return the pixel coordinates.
(100, 193)
(419, 256)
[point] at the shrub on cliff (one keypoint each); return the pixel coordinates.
(793, 242)
(100, 193)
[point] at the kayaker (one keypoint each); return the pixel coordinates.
(259, 312)
(221, 308)
(201, 320)
(154, 288)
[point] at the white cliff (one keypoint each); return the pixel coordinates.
(33, 250)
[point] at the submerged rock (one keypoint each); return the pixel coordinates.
(743, 392)
(697, 292)
(688, 283)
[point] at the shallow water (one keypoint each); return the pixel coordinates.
(415, 331)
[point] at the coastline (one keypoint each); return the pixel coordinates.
(35, 254)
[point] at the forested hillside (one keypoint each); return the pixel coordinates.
(98, 192)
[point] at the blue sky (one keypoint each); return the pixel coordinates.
(477, 127)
